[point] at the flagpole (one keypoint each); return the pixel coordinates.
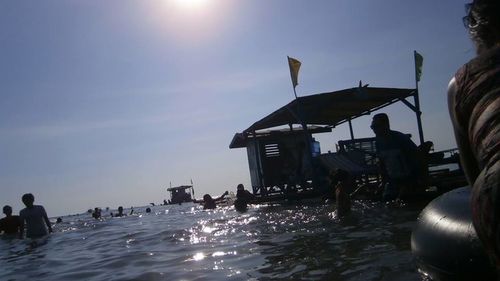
(299, 111)
(417, 102)
(192, 188)
(294, 92)
(294, 84)
(307, 135)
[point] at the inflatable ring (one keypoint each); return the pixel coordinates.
(444, 241)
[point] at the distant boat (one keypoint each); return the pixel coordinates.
(181, 194)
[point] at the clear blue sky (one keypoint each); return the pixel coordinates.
(103, 103)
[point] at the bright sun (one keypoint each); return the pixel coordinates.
(191, 4)
(192, 20)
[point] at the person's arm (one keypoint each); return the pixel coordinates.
(198, 201)
(466, 156)
(20, 223)
(382, 170)
(47, 222)
(21, 226)
(46, 219)
(222, 196)
(411, 153)
(380, 164)
(250, 195)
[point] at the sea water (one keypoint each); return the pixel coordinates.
(185, 242)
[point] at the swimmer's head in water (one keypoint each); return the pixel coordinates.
(207, 197)
(240, 187)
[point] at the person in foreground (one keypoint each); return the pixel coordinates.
(37, 222)
(243, 198)
(209, 202)
(10, 225)
(398, 158)
(474, 105)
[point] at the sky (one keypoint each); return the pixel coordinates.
(105, 103)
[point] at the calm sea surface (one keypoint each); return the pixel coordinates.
(287, 242)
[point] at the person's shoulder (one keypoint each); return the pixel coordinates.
(11, 219)
(398, 134)
(452, 91)
(16, 219)
(402, 138)
(485, 60)
(461, 80)
(460, 73)
(39, 210)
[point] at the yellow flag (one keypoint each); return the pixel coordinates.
(294, 70)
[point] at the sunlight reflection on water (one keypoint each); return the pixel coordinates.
(187, 243)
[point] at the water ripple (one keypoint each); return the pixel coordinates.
(305, 242)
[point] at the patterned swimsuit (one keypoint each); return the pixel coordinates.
(477, 109)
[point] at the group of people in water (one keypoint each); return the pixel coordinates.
(33, 219)
(243, 198)
(474, 106)
(97, 213)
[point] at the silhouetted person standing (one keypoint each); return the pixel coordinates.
(398, 158)
(10, 224)
(35, 217)
(474, 105)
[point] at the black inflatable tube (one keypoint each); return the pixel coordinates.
(445, 244)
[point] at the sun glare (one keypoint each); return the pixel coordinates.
(190, 22)
(191, 4)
